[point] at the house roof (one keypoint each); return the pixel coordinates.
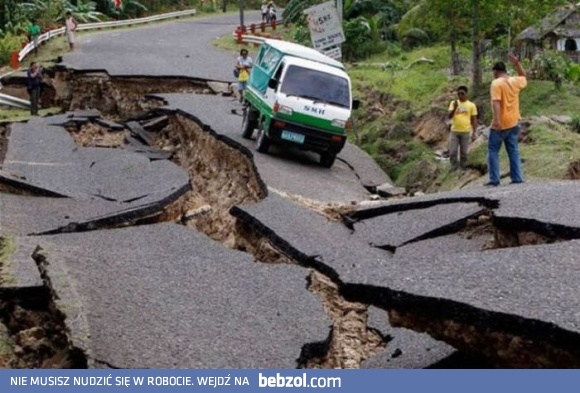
(548, 25)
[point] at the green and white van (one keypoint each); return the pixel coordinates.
(298, 96)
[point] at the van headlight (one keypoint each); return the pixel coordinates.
(338, 123)
(345, 124)
(285, 110)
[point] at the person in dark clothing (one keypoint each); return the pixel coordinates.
(34, 86)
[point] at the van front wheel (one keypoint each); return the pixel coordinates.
(249, 123)
(327, 159)
(262, 141)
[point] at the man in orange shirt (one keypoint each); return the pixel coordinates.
(505, 127)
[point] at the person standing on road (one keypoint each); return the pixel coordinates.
(272, 12)
(34, 34)
(264, 10)
(463, 115)
(244, 65)
(505, 127)
(34, 86)
(70, 28)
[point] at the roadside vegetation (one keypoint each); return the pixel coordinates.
(413, 56)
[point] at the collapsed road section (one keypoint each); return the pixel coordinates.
(77, 165)
(358, 292)
(449, 273)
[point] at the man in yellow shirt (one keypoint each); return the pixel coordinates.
(463, 115)
(505, 127)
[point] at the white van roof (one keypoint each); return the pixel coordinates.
(303, 52)
(315, 65)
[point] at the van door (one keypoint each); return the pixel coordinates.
(273, 85)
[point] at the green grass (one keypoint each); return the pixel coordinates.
(402, 78)
(7, 249)
(542, 98)
(16, 115)
(552, 149)
(547, 155)
(6, 347)
(406, 93)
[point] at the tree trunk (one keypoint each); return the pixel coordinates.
(224, 5)
(476, 79)
(455, 66)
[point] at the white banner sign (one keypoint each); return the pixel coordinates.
(325, 26)
(334, 53)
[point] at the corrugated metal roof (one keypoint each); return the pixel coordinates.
(547, 25)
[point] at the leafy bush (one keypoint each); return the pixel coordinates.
(362, 38)
(549, 65)
(393, 49)
(572, 73)
(414, 37)
(9, 43)
(301, 35)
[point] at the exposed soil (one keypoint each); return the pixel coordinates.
(503, 349)
(117, 97)
(481, 227)
(573, 172)
(506, 238)
(34, 331)
(432, 129)
(351, 341)
(220, 174)
(94, 135)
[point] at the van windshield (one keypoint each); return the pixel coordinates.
(316, 85)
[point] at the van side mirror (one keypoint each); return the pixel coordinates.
(273, 84)
(355, 104)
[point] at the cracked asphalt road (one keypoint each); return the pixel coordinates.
(202, 292)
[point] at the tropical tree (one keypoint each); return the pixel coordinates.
(82, 10)
(363, 22)
(478, 19)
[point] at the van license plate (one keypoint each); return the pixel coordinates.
(292, 136)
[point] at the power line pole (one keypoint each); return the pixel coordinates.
(241, 2)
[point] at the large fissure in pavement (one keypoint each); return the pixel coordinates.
(503, 347)
(32, 329)
(118, 97)
(223, 175)
(506, 232)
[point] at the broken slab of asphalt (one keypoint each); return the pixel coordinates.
(47, 157)
(163, 296)
(399, 228)
(291, 171)
(19, 271)
(28, 215)
(67, 188)
(307, 237)
(548, 208)
(516, 306)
